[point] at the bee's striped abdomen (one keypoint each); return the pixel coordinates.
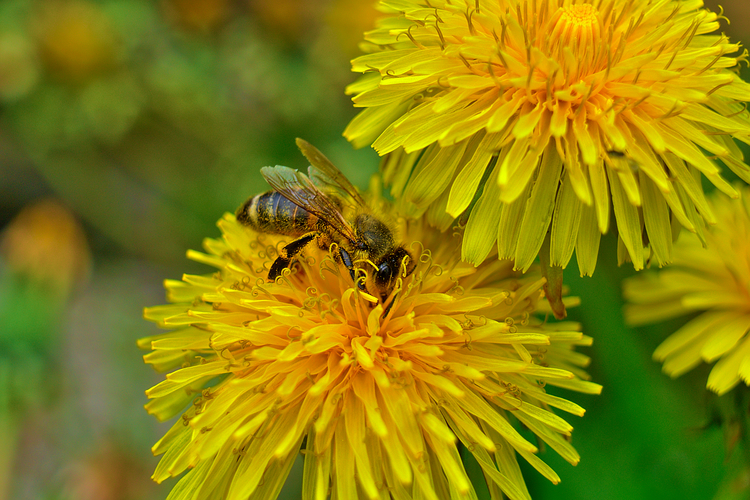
(271, 212)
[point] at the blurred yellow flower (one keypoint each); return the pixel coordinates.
(555, 108)
(19, 66)
(198, 15)
(47, 246)
(713, 283)
(76, 39)
(287, 21)
(375, 402)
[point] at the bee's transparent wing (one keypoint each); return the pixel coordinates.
(325, 175)
(299, 189)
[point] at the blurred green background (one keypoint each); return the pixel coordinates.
(127, 128)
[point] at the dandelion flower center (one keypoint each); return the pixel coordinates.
(575, 26)
(580, 16)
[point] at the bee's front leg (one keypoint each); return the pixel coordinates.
(289, 253)
(347, 261)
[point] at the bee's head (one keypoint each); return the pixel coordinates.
(390, 266)
(373, 236)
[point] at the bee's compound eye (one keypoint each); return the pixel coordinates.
(384, 275)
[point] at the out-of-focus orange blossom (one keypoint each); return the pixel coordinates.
(76, 40)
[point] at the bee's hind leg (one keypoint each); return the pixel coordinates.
(289, 253)
(347, 260)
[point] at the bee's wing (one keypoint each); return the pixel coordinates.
(297, 188)
(324, 174)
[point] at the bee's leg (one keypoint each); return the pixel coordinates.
(389, 306)
(289, 253)
(347, 260)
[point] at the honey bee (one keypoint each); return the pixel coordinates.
(325, 207)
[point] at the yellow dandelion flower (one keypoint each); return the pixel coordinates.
(553, 108)
(712, 284)
(376, 402)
